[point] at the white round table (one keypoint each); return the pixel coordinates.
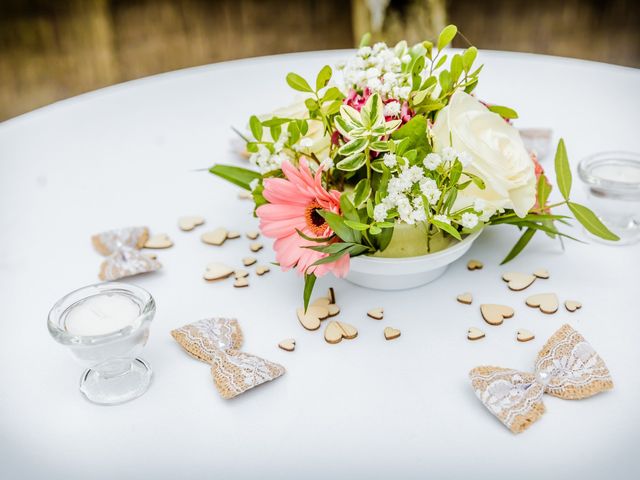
(133, 154)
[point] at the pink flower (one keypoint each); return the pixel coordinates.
(293, 204)
(353, 99)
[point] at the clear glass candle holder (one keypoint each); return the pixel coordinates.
(114, 373)
(612, 180)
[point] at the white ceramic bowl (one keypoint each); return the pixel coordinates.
(401, 273)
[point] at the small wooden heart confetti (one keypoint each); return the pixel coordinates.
(495, 314)
(475, 333)
(288, 344)
(312, 317)
(248, 261)
(245, 195)
(241, 282)
(332, 295)
(474, 265)
(523, 335)
(391, 333)
(241, 273)
(253, 234)
(233, 234)
(465, 298)
(262, 269)
(160, 240)
(518, 281)
(547, 302)
(217, 271)
(542, 273)
(336, 331)
(376, 313)
(572, 305)
(256, 246)
(214, 237)
(189, 223)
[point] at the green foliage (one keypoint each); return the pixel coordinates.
(504, 112)
(239, 176)
(591, 222)
(563, 170)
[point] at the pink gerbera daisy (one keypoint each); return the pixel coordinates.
(293, 204)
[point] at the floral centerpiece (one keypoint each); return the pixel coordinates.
(394, 156)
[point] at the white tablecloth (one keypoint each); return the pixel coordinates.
(365, 408)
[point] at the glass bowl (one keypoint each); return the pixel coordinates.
(114, 373)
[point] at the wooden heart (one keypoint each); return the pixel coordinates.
(547, 302)
(248, 261)
(336, 331)
(324, 302)
(214, 237)
(376, 313)
(312, 317)
(245, 195)
(241, 282)
(217, 271)
(524, 335)
(233, 234)
(262, 269)
(160, 240)
(495, 314)
(288, 344)
(256, 246)
(241, 273)
(474, 265)
(189, 223)
(518, 281)
(253, 235)
(332, 295)
(465, 298)
(475, 333)
(572, 305)
(391, 333)
(542, 273)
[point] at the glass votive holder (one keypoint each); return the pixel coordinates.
(105, 327)
(612, 180)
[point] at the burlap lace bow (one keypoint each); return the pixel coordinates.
(122, 249)
(216, 341)
(567, 367)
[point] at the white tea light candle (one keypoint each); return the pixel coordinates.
(101, 314)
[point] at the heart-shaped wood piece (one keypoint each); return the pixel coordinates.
(245, 195)
(214, 237)
(495, 314)
(336, 331)
(465, 298)
(517, 281)
(312, 317)
(248, 261)
(241, 273)
(233, 234)
(475, 265)
(253, 235)
(288, 344)
(474, 333)
(256, 246)
(262, 269)
(332, 295)
(324, 302)
(217, 271)
(523, 335)
(391, 333)
(189, 223)
(572, 305)
(547, 302)
(542, 273)
(241, 282)
(159, 240)
(376, 313)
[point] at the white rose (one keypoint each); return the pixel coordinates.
(497, 154)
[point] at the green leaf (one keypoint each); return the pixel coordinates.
(415, 130)
(348, 209)
(371, 112)
(312, 239)
(236, 175)
(445, 80)
(256, 127)
(519, 246)
(336, 223)
(324, 75)
(440, 62)
(362, 192)
(365, 40)
(298, 83)
(504, 112)
(352, 162)
(446, 36)
(332, 93)
(309, 282)
(456, 67)
(354, 146)
(563, 170)
(591, 222)
(468, 57)
(447, 228)
(543, 189)
(357, 225)
(331, 248)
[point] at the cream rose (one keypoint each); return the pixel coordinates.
(497, 154)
